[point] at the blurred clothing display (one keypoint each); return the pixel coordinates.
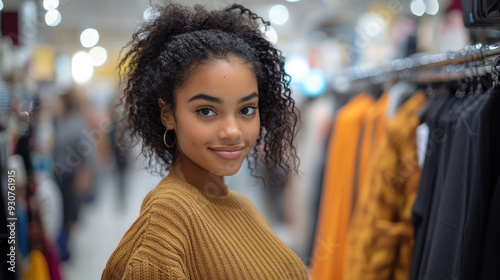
(423, 206)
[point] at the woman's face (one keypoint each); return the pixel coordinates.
(216, 117)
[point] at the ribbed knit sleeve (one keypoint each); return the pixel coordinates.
(145, 270)
(157, 239)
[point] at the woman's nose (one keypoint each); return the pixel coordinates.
(230, 129)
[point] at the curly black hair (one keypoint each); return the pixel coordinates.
(164, 52)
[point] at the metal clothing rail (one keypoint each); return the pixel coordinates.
(411, 67)
(451, 73)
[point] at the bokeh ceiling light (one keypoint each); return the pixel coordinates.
(314, 83)
(150, 14)
(98, 56)
(371, 24)
(1, 5)
(50, 4)
(53, 18)
(278, 14)
(297, 67)
(89, 37)
(82, 69)
(270, 34)
(418, 7)
(432, 7)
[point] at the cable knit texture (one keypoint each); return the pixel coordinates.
(183, 233)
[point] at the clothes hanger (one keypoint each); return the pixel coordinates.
(494, 72)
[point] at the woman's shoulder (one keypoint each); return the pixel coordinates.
(155, 240)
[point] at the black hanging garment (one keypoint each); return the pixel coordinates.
(456, 211)
(481, 253)
(484, 13)
(423, 203)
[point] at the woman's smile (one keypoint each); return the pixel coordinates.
(228, 152)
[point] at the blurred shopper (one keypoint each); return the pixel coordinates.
(120, 157)
(71, 169)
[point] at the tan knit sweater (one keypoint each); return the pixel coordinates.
(183, 233)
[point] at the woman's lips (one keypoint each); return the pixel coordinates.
(228, 153)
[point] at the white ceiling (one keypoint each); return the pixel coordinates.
(116, 20)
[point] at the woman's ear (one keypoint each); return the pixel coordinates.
(166, 114)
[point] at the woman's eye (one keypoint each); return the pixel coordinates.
(248, 110)
(206, 112)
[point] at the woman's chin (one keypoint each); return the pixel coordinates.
(229, 169)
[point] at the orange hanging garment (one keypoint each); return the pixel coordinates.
(381, 232)
(336, 201)
(373, 130)
(37, 268)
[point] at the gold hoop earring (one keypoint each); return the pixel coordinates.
(165, 138)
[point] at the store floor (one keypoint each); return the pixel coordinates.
(102, 222)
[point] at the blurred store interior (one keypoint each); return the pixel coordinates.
(59, 63)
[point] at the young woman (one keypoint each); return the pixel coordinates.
(205, 90)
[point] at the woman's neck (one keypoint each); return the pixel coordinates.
(203, 180)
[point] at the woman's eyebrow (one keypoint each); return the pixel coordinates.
(205, 97)
(217, 100)
(248, 97)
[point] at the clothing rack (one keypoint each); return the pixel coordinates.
(473, 60)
